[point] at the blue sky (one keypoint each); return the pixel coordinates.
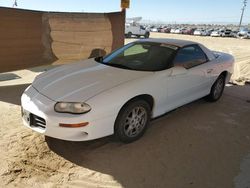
(181, 11)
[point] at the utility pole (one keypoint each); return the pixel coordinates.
(242, 13)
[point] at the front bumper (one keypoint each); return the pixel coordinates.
(37, 105)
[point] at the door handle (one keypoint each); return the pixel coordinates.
(209, 70)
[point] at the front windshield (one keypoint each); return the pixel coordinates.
(142, 56)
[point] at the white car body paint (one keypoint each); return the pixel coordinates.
(106, 89)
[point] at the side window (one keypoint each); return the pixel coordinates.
(190, 56)
(135, 50)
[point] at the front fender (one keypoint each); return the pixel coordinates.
(110, 102)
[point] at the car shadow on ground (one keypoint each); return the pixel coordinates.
(8, 76)
(43, 68)
(184, 148)
(12, 93)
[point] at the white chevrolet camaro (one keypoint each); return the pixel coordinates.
(120, 92)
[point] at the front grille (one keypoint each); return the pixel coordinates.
(36, 121)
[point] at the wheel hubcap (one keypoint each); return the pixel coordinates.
(218, 88)
(135, 121)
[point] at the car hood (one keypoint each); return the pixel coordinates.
(80, 81)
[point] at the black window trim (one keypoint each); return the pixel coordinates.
(197, 45)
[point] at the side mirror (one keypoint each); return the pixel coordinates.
(178, 70)
(99, 58)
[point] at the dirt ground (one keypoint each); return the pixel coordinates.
(198, 145)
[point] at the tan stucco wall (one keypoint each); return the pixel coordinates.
(34, 38)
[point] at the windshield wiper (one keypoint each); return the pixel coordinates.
(100, 60)
(118, 65)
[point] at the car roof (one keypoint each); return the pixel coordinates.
(175, 42)
(180, 43)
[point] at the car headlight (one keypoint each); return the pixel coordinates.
(72, 107)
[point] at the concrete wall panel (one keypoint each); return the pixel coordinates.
(34, 38)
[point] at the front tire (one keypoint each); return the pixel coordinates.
(132, 121)
(217, 89)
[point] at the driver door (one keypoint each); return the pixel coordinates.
(192, 82)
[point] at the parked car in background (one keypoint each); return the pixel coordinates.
(222, 31)
(197, 32)
(235, 33)
(179, 31)
(159, 29)
(243, 32)
(119, 93)
(172, 30)
(208, 32)
(200, 32)
(184, 30)
(154, 29)
(227, 33)
(216, 33)
(247, 36)
(165, 30)
(189, 31)
(136, 30)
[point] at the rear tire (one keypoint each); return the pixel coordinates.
(217, 89)
(146, 35)
(132, 121)
(129, 35)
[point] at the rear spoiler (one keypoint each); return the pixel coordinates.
(216, 54)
